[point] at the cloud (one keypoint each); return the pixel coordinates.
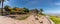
(57, 4)
(6, 3)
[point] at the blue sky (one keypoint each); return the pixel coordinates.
(49, 6)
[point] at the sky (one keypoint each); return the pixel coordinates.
(49, 6)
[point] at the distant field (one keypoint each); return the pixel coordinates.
(55, 19)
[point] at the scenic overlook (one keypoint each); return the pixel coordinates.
(29, 11)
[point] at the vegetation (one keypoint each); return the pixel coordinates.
(7, 8)
(41, 10)
(55, 19)
(26, 10)
(22, 10)
(22, 18)
(36, 10)
(2, 1)
(16, 9)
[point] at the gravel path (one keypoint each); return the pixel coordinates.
(6, 20)
(44, 20)
(29, 20)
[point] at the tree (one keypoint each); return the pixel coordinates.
(41, 10)
(36, 10)
(26, 10)
(2, 1)
(15, 8)
(7, 8)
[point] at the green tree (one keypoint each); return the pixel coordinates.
(2, 1)
(41, 10)
(7, 8)
(26, 10)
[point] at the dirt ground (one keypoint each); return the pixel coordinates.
(29, 20)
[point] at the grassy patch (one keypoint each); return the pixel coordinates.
(23, 18)
(39, 15)
(55, 19)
